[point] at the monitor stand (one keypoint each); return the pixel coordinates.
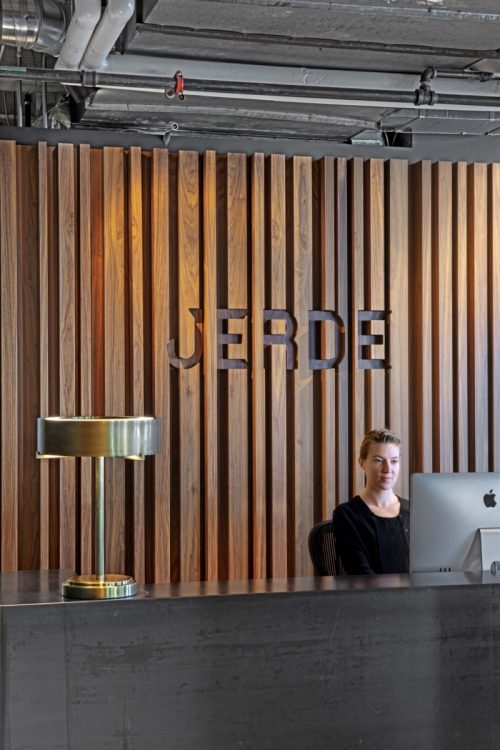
(490, 549)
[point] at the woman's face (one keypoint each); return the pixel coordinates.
(381, 466)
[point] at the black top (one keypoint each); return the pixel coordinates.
(368, 544)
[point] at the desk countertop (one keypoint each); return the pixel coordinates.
(44, 587)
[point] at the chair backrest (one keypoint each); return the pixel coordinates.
(322, 550)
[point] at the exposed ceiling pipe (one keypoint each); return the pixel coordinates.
(113, 21)
(19, 93)
(85, 18)
(34, 24)
(423, 97)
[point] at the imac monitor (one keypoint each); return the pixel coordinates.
(454, 522)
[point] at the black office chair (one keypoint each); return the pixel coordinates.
(322, 550)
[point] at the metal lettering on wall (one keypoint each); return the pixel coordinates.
(317, 359)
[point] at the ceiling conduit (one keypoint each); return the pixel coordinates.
(421, 97)
(113, 21)
(85, 18)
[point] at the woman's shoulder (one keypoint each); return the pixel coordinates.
(405, 505)
(352, 508)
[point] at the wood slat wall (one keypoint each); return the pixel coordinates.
(117, 264)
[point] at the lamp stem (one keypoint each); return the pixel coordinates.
(99, 516)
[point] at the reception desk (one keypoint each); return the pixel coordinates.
(380, 663)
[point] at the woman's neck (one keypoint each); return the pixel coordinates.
(379, 499)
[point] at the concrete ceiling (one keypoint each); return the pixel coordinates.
(260, 58)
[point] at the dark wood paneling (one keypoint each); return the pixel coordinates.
(43, 292)
(442, 319)
(189, 265)
(159, 567)
(460, 322)
(343, 385)
(277, 375)
(136, 351)
(303, 467)
(210, 393)
(127, 242)
(420, 309)
(9, 355)
(28, 354)
(114, 345)
(85, 361)
(375, 279)
(68, 302)
(258, 421)
(397, 301)
(237, 380)
(327, 280)
(360, 385)
(477, 286)
(494, 392)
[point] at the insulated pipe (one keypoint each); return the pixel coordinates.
(19, 93)
(45, 119)
(113, 21)
(243, 89)
(33, 24)
(83, 22)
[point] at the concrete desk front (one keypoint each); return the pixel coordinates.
(385, 662)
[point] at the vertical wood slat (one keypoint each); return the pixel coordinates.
(189, 379)
(359, 290)
(258, 372)
(97, 252)
(477, 315)
(397, 270)
(114, 346)
(375, 265)
(303, 382)
(494, 218)
(328, 437)
(43, 287)
(238, 469)
(343, 386)
(160, 306)
(442, 319)
(210, 365)
(420, 281)
(85, 396)
(136, 305)
(8, 355)
(460, 320)
(277, 409)
(67, 345)
(28, 351)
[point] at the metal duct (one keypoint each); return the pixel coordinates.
(34, 24)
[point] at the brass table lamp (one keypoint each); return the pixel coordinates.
(98, 438)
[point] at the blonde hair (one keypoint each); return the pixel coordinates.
(377, 436)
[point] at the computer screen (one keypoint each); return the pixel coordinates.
(446, 513)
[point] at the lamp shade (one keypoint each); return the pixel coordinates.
(98, 437)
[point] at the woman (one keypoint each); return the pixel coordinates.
(372, 530)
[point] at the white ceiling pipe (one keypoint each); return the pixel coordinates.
(113, 21)
(85, 18)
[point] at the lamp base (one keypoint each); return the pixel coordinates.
(111, 586)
